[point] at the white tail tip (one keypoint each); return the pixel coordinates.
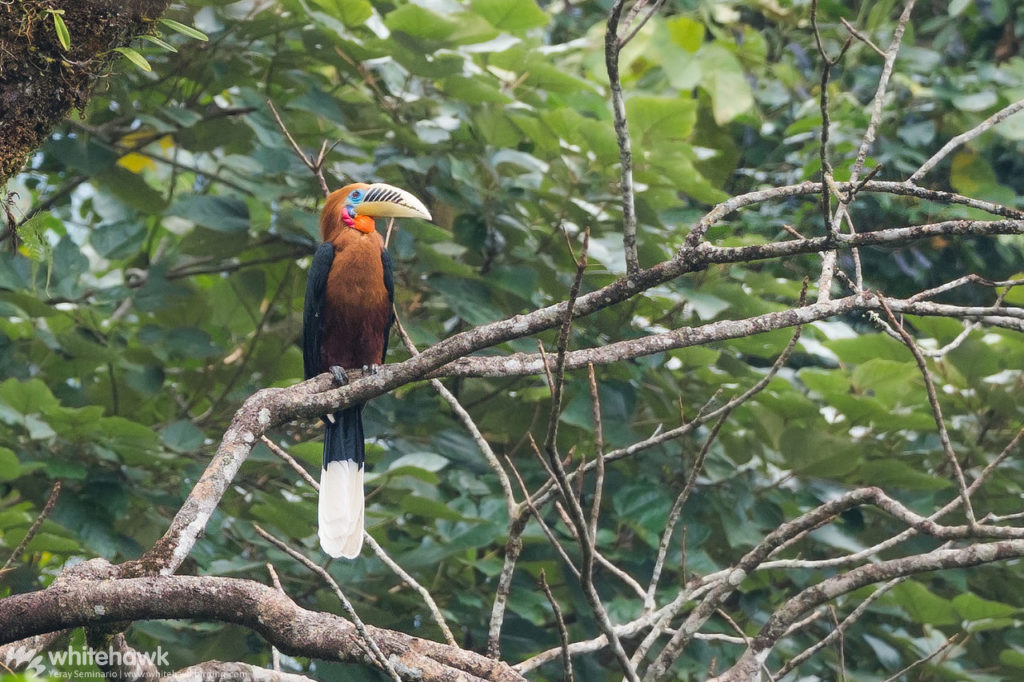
(341, 509)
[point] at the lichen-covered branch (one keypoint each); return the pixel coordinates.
(295, 631)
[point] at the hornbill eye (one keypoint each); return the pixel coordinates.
(355, 195)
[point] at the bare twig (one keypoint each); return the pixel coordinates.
(515, 543)
(51, 502)
(844, 625)
(540, 519)
(428, 599)
(953, 640)
(652, 10)
(612, 45)
(964, 138)
(290, 461)
(861, 37)
(374, 545)
(563, 634)
(316, 166)
(275, 655)
(371, 645)
(595, 410)
(933, 400)
(883, 85)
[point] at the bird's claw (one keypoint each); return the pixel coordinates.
(339, 375)
(370, 369)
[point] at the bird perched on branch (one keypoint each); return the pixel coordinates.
(345, 325)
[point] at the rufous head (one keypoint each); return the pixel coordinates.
(356, 205)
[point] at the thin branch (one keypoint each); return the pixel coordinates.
(563, 634)
(275, 655)
(643, 22)
(677, 508)
(381, 660)
(540, 519)
(290, 461)
(316, 166)
(595, 411)
(466, 420)
(612, 46)
(883, 85)
(576, 517)
(933, 401)
(373, 544)
(428, 599)
(843, 626)
(514, 542)
(950, 642)
(861, 37)
(964, 138)
(51, 502)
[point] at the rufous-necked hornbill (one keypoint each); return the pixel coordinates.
(345, 325)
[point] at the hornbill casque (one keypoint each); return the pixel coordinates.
(345, 325)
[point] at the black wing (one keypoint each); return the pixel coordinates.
(389, 284)
(312, 312)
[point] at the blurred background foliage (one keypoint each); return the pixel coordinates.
(158, 276)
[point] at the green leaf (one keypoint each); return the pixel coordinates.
(724, 79)
(660, 119)
(420, 460)
(351, 12)
(972, 607)
(466, 299)
(891, 381)
(1012, 657)
(867, 347)
(134, 57)
(923, 605)
(48, 542)
(972, 175)
(182, 436)
(27, 397)
(61, 28)
(428, 508)
(184, 30)
(10, 467)
(420, 23)
(893, 473)
(976, 101)
(159, 43)
(686, 32)
(511, 15)
(220, 213)
(956, 7)
(815, 452)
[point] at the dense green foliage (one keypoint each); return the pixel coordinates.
(162, 283)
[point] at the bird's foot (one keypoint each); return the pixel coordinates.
(339, 375)
(370, 369)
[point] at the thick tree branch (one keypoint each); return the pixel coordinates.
(292, 629)
(218, 671)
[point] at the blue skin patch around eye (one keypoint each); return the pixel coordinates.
(354, 197)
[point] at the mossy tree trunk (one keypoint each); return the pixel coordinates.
(40, 80)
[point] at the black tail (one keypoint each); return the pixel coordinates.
(343, 438)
